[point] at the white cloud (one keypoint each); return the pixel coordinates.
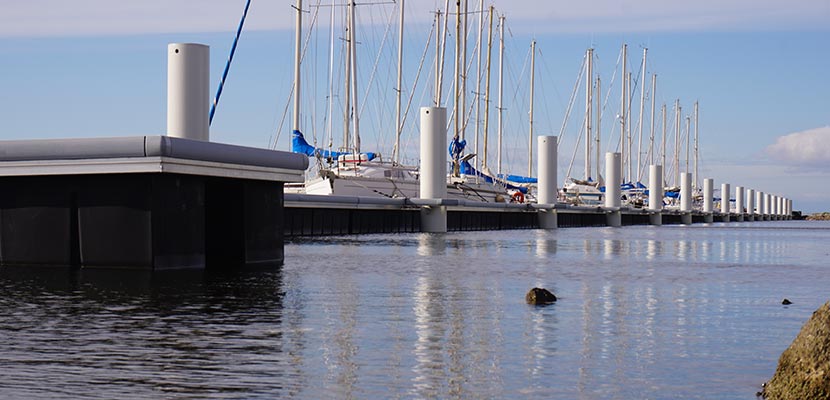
(810, 148)
(107, 17)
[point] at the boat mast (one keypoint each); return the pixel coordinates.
(688, 139)
(443, 46)
(478, 77)
(457, 74)
(353, 47)
(677, 142)
(530, 122)
(640, 117)
(501, 92)
(696, 143)
(330, 119)
(628, 127)
(599, 120)
(651, 134)
(298, 34)
(438, 58)
(399, 90)
(589, 80)
(623, 110)
(457, 87)
(348, 80)
(487, 88)
(464, 75)
(663, 142)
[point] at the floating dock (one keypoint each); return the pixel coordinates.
(314, 215)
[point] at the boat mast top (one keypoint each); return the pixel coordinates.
(677, 142)
(347, 100)
(640, 117)
(399, 89)
(487, 90)
(438, 58)
(696, 148)
(589, 90)
(688, 140)
(628, 127)
(653, 104)
(530, 114)
(663, 142)
(478, 78)
(355, 108)
(623, 110)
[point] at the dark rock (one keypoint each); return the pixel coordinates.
(786, 302)
(804, 368)
(539, 296)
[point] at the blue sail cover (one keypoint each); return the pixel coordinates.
(625, 186)
(299, 145)
(456, 148)
(518, 178)
(468, 169)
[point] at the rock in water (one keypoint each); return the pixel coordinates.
(786, 302)
(539, 296)
(804, 368)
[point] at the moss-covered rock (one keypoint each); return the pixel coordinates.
(539, 296)
(804, 368)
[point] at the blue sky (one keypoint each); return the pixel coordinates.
(758, 69)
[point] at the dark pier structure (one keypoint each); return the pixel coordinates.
(146, 202)
(315, 215)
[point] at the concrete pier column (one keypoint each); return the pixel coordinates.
(767, 209)
(708, 195)
(759, 205)
(433, 174)
(778, 213)
(781, 207)
(655, 194)
(725, 194)
(546, 195)
(773, 207)
(750, 205)
(188, 91)
(739, 202)
(613, 180)
(686, 198)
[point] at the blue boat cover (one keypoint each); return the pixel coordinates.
(468, 169)
(518, 178)
(299, 145)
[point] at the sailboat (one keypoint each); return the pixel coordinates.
(350, 172)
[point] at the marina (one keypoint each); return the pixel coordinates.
(409, 199)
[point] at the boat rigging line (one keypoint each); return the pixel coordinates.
(228, 64)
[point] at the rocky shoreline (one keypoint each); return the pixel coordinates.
(803, 370)
(824, 216)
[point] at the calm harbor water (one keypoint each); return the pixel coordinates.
(644, 312)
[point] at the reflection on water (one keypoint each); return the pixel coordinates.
(644, 312)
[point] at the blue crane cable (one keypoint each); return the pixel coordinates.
(228, 65)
